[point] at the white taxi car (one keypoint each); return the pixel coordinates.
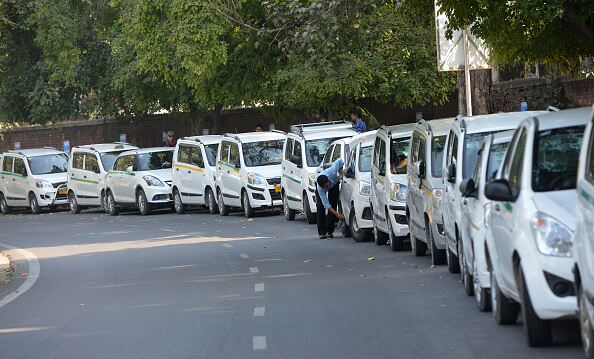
(33, 178)
(86, 173)
(532, 223)
(249, 171)
(194, 172)
(140, 178)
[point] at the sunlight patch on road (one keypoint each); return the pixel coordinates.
(23, 330)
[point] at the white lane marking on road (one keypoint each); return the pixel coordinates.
(227, 245)
(254, 270)
(260, 342)
(259, 311)
(168, 230)
(259, 287)
(245, 256)
(34, 270)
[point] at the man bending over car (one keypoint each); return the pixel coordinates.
(327, 198)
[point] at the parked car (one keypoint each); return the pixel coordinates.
(532, 223)
(194, 172)
(86, 173)
(140, 179)
(388, 184)
(249, 171)
(475, 211)
(423, 196)
(303, 152)
(462, 145)
(34, 178)
(583, 250)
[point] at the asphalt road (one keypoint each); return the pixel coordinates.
(204, 286)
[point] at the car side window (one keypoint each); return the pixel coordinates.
(225, 151)
(422, 151)
(590, 160)
(337, 152)
(130, 161)
(455, 149)
(19, 165)
(183, 154)
(196, 156)
(506, 164)
(414, 148)
(515, 173)
(233, 153)
(328, 155)
(376, 147)
(77, 160)
(119, 164)
(289, 148)
(352, 155)
(91, 162)
(382, 152)
(477, 166)
(7, 163)
(297, 149)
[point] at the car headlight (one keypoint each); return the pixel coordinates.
(256, 179)
(398, 192)
(153, 181)
(553, 238)
(436, 198)
(364, 188)
(44, 184)
(312, 180)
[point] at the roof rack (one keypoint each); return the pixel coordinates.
(552, 109)
(387, 129)
(17, 152)
(278, 131)
(462, 122)
(49, 148)
(427, 125)
(298, 129)
(232, 136)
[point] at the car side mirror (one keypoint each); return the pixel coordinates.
(24, 171)
(420, 169)
(452, 173)
(129, 168)
(382, 168)
(198, 161)
(499, 190)
(468, 189)
(350, 173)
(295, 160)
(96, 169)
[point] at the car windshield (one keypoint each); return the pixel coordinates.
(496, 154)
(155, 160)
(365, 158)
(472, 145)
(211, 153)
(108, 158)
(555, 162)
(316, 149)
(263, 153)
(437, 147)
(41, 165)
(399, 155)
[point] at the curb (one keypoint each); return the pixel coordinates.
(6, 269)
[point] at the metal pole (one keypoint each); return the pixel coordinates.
(467, 76)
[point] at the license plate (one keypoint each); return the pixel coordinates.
(62, 191)
(277, 188)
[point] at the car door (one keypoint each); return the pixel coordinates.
(449, 193)
(21, 181)
(231, 178)
(415, 189)
(189, 169)
(472, 209)
(92, 177)
(7, 178)
(349, 182)
(300, 176)
(380, 181)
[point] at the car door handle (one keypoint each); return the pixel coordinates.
(189, 172)
(465, 202)
(497, 208)
(84, 176)
(177, 169)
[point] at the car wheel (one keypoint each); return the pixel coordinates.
(142, 203)
(112, 208)
(537, 331)
(3, 205)
(247, 207)
(380, 237)
(178, 205)
(34, 204)
(396, 242)
(74, 207)
(357, 233)
(223, 209)
(104, 202)
(467, 280)
(452, 260)
(505, 311)
(311, 217)
(438, 256)
(345, 230)
(481, 295)
(586, 329)
(213, 207)
(289, 213)
(419, 248)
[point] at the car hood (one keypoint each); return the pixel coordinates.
(164, 174)
(365, 176)
(53, 177)
(558, 204)
(271, 171)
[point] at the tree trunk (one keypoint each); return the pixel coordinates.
(334, 108)
(216, 119)
(480, 89)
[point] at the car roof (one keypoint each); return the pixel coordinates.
(502, 137)
(147, 150)
(247, 137)
(205, 139)
(494, 122)
(366, 138)
(312, 131)
(106, 147)
(397, 131)
(565, 118)
(437, 127)
(35, 152)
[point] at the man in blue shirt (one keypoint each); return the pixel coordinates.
(327, 191)
(359, 124)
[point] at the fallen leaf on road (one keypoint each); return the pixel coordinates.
(250, 220)
(25, 274)
(433, 266)
(362, 275)
(306, 261)
(370, 259)
(328, 266)
(275, 236)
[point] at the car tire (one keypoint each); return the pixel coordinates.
(481, 295)
(438, 256)
(467, 280)
(419, 248)
(104, 202)
(213, 207)
(34, 204)
(112, 208)
(345, 230)
(536, 331)
(289, 213)
(142, 203)
(357, 233)
(178, 205)
(396, 242)
(311, 217)
(452, 260)
(505, 311)
(74, 207)
(380, 237)
(223, 209)
(247, 207)
(4, 205)
(586, 330)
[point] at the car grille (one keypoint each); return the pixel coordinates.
(276, 180)
(58, 184)
(274, 195)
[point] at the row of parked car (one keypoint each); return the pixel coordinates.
(506, 200)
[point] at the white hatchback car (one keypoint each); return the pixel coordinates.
(33, 178)
(532, 223)
(475, 211)
(194, 172)
(86, 173)
(583, 252)
(249, 171)
(140, 178)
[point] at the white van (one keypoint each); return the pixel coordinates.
(388, 184)
(33, 178)
(249, 171)
(303, 152)
(194, 172)
(423, 196)
(86, 173)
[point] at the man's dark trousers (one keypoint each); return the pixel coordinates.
(326, 222)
